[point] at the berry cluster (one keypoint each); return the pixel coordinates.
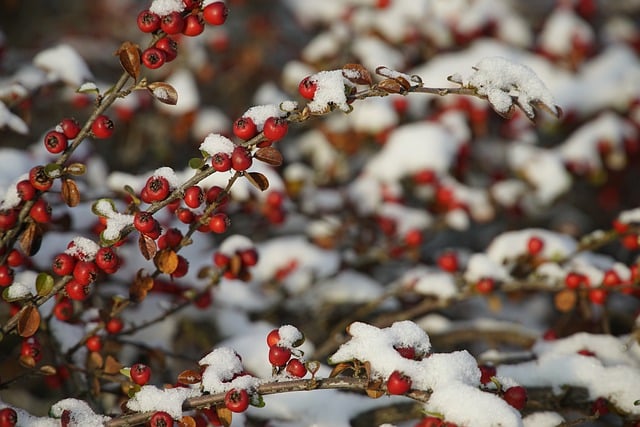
(234, 257)
(283, 343)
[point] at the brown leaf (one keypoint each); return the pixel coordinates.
(70, 194)
(163, 92)
(187, 421)
(374, 389)
(147, 246)
(129, 54)
(48, 370)
(29, 321)
(95, 361)
(357, 74)
(111, 365)
(224, 415)
(31, 239)
(269, 155)
(27, 361)
(339, 368)
(189, 377)
(391, 86)
(258, 180)
(166, 260)
(565, 300)
(140, 286)
(235, 264)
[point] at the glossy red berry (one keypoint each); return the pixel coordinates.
(296, 368)
(574, 280)
(107, 260)
(140, 374)
(413, 238)
(535, 245)
(94, 343)
(63, 310)
(600, 407)
(273, 338)
(485, 285)
(182, 269)
(40, 211)
(70, 127)
(516, 396)
(216, 194)
(611, 278)
(161, 419)
(85, 272)
(156, 189)
(170, 239)
(597, 296)
(8, 417)
(236, 400)
(193, 196)
(148, 21)
(153, 58)
(249, 257)
(215, 13)
(221, 260)
(275, 128)
(63, 264)
(448, 261)
(15, 258)
(8, 218)
(144, 222)
(486, 372)
(173, 23)
(406, 352)
(31, 347)
(244, 128)
(279, 356)
(169, 46)
(26, 191)
(39, 179)
(398, 383)
(241, 159)
(193, 25)
(114, 325)
(55, 142)
(6, 275)
(102, 127)
(307, 88)
(76, 290)
(218, 223)
(430, 421)
(185, 216)
(221, 162)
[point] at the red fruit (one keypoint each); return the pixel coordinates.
(307, 88)
(15, 258)
(114, 325)
(193, 26)
(221, 162)
(279, 356)
(486, 372)
(157, 189)
(76, 290)
(296, 368)
(413, 238)
(215, 13)
(218, 223)
(611, 278)
(107, 260)
(161, 419)
(169, 46)
(236, 400)
(185, 216)
(275, 198)
(631, 241)
(144, 222)
(203, 300)
(94, 343)
(170, 239)
(383, 4)
(8, 417)
(535, 245)
(85, 272)
(215, 194)
(448, 261)
(38, 178)
(191, 4)
(406, 352)
(63, 309)
(148, 22)
(70, 127)
(516, 396)
(273, 338)
(574, 280)
(249, 257)
(102, 127)
(182, 268)
(40, 211)
(8, 218)
(26, 191)
(429, 422)
(173, 23)
(245, 128)
(193, 196)
(425, 176)
(140, 374)
(600, 407)
(153, 58)
(275, 128)
(398, 383)
(485, 285)
(63, 264)
(597, 296)
(221, 260)
(55, 142)
(241, 159)
(31, 347)
(6, 275)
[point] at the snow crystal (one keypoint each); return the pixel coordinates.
(150, 399)
(82, 248)
(63, 63)
(215, 143)
(289, 335)
(81, 414)
(221, 367)
(115, 221)
(288, 106)
(88, 87)
(23, 286)
(330, 92)
(543, 419)
(8, 119)
(480, 265)
(165, 7)
(428, 281)
(235, 242)
(169, 174)
(260, 113)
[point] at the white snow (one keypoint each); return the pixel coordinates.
(151, 398)
(80, 413)
(165, 7)
(215, 143)
(82, 248)
(221, 369)
(330, 92)
(62, 62)
(12, 121)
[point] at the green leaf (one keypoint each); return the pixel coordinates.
(44, 284)
(102, 212)
(257, 400)
(53, 170)
(196, 163)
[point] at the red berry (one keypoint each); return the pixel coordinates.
(398, 383)
(144, 222)
(182, 268)
(153, 58)
(203, 300)
(245, 128)
(76, 290)
(611, 278)
(193, 196)
(215, 13)
(70, 127)
(6, 275)
(161, 419)
(114, 325)
(485, 285)
(102, 127)
(39, 179)
(63, 264)
(107, 260)
(430, 422)
(535, 245)
(307, 88)
(600, 407)
(216, 194)
(85, 272)
(516, 396)
(273, 338)
(148, 21)
(241, 159)
(631, 241)
(249, 257)
(55, 142)
(574, 280)
(597, 296)
(296, 368)
(140, 374)
(275, 128)
(424, 176)
(156, 189)
(40, 211)
(15, 258)
(94, 343)
(406, 352)
(221, 162)
(218, 223)
(170, 239)
(279, 356)
(486, 372)
(26, 191)
(169, 46)
(221, 260)
(383, 4)
(8, 417)
(63, 310)
(31, 347)
(185, 216)
(8, 218)
(173, 23)
(193, 25)
(413, 238)
(448, 261)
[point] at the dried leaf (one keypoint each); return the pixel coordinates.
(76, 169)
(374, 390)
(140, 286)
(258, 180)
(357, 74)
(235, 264)
(95, 361)
(189, 377)
(166, 260)
(367, 369)
(27, 361)
(129, 54)
(70, 193)
(111, 365)
(391, 86)
(269, 155)
(565, 300)
(31, 239)
(29, 321)
(163, 92)
(187, 421)
(147, 246)
(48, 370)
(224, 415)
(44, 284)
(339, 368)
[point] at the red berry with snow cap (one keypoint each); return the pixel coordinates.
(236, 400)
(398, 383)
(245, 128)
(275, 128)
(516, 396)
(308, 88)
